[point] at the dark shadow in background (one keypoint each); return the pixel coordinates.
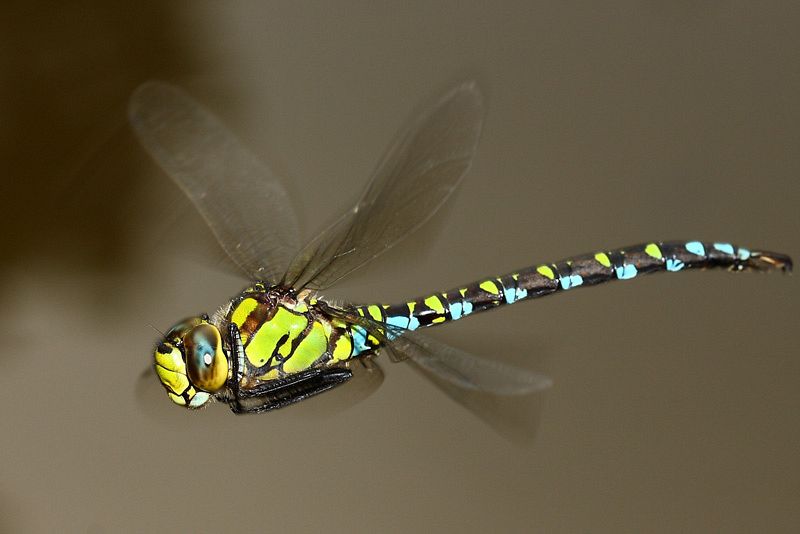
(69, 69)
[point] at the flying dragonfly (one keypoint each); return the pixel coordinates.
(278, 341)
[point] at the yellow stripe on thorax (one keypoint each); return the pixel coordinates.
(343, 347)
(242, 312)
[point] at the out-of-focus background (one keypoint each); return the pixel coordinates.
(676, 397)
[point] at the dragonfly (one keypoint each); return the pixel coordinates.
(279, 341)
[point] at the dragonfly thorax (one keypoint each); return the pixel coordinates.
(283, 332)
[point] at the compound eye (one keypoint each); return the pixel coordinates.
(206, 363)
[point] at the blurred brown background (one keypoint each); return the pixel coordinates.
(676, 398)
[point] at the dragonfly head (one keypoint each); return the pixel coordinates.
(190, 362)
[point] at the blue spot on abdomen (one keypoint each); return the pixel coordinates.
(398, 320)
(696, 248)
(359, 340)
(626, 271)
(674, 265)
(726, 248)
(573, 280)
(509, 293)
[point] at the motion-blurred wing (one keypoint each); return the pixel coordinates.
(505, 397)
(367, 378)
(244, 204)
(460, 368)
(467, 371)
(419, 171)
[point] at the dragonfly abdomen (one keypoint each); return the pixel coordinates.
(586, 270)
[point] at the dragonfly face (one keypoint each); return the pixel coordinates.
(191, 363)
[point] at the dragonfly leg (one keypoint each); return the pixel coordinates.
(280, 392)
(237, 356)
(289, 390)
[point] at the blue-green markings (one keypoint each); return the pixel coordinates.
(512, 295)
(398, 320)
(726, 248)
(359, 340)
(573, 280)
(696, 248)
(626, 271)
(509, 295)
(674, 265)
(200, 398)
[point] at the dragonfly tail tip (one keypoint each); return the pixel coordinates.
(770, 261)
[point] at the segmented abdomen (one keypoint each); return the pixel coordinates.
(586, 270)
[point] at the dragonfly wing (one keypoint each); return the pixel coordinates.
(418, 173)
(367, 378)
(458, 367)
(243, 203)
(505, 397)
(465, 370)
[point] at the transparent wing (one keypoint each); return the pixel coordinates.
(467, 371)
(515, 417)
(418, 173)
(460, 368)
(241, 200)
(505, 397)
(367, 378)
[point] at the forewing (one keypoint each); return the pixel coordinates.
(241, 200)
(418, 173)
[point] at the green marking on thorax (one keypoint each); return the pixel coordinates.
(343, 348)
(265, 340)
(314, 345)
